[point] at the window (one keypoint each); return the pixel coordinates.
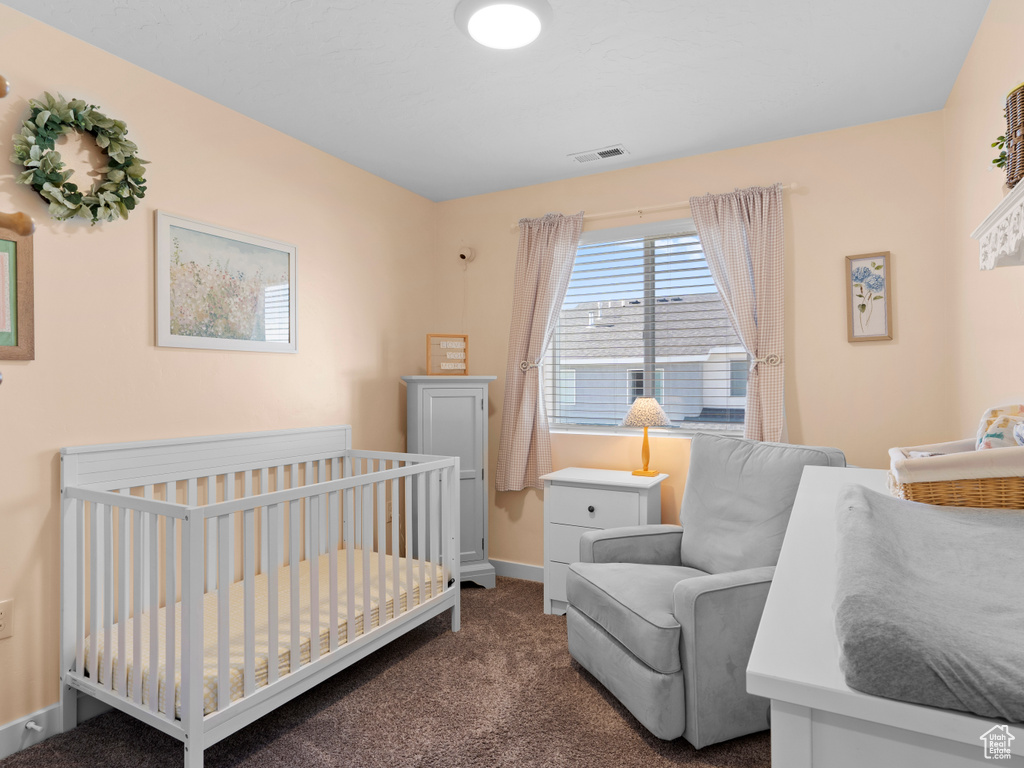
(636, 384)
(738, 371)
(642, 316)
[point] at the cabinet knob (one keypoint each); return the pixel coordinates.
(590, 509)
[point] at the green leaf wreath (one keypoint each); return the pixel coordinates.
(115, 194)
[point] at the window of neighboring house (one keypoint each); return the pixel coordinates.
(636, 384)
(642, 317)
(738, 370)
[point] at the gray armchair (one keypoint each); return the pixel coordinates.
(665, 616)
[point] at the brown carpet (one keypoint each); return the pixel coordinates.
(502, 692)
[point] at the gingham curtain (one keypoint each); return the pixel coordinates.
(547, 250)
(741, 234)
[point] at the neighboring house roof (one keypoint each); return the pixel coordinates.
(688, 325)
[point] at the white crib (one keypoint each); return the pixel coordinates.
(191, 569)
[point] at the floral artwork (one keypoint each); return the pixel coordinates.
(222, 289)
(868, 299)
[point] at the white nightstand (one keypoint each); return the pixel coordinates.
(579, 500)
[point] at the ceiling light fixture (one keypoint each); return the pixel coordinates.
(503, 25)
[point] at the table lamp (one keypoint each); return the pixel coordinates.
(646, 412)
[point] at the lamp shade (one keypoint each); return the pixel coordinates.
(646, 412)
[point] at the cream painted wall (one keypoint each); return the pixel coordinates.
(365, 250)
(876, 187)
(987, 308)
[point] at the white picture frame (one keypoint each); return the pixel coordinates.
(217, 288)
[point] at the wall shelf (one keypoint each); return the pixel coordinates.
(1001, 234)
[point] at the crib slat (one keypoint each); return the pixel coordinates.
(278, 530)
(321, 476)
(170, 599)
(307, 478)
(421, 517)
(366, 546)
(357, 470)
(229, 495)
(211, 536)
(95, 594)
(273, 627)
(78, 510)
(224, 575)
(137, 563)
(123, 546)
(348, 524)
(146, 547)
(106, 677)
(332, 570)
(265, 564)
(313, 504)
(294, 659)
(382, 556)
(249, 576)
(152, 530)
(395, 570)
(408, 542)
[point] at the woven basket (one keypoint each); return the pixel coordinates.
(959, 476)
(1015, 136)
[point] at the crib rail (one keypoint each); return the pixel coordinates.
(288, 561)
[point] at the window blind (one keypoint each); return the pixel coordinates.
(642, 316)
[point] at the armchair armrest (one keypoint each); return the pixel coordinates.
(719, 615)
(651, 544)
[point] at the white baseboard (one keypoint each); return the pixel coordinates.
(14, 736)
(518, 570)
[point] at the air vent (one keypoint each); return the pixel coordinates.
(604, 153)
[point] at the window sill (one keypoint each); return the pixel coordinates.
(605, 430)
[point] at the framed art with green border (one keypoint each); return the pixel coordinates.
(17, 340)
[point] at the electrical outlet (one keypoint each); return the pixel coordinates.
(6, 618)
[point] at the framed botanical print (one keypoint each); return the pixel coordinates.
(17, 331)
(868, 297)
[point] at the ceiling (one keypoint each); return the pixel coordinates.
(393, 87)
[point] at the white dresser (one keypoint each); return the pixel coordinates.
(578, 500)
(447, 416)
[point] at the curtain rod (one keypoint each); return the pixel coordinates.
(642, 211)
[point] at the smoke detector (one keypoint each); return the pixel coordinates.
(604, 153)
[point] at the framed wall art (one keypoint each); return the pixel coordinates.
(868, 297)
(221, 289)
(17, 331)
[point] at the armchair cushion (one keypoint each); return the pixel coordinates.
(633, 603)
(738, 497)
(653, 544)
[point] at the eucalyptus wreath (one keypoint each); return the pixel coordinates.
(114, 194)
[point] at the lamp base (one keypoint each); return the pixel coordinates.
(646, 473)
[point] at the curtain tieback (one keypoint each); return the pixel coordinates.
(527, 365)
(772, 360)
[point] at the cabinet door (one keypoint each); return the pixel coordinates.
(452, 425)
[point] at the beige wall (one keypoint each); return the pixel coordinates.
(364, 252)
(984, 359)
(876, 187)
(378, 268)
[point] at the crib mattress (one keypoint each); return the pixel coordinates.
(407, 598)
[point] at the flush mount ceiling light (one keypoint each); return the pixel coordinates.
(504, 25)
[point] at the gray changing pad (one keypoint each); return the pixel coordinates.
(929, 606)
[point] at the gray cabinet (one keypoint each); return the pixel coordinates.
(447, 416)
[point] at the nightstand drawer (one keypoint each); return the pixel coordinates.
(592, 507)
(564, 542)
